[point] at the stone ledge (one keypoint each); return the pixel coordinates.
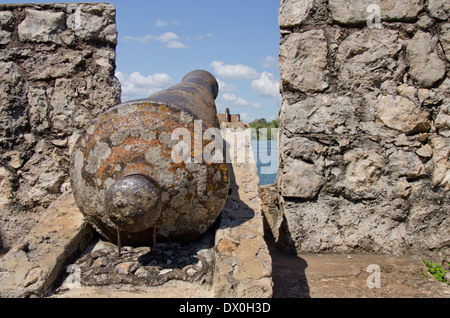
(33, 265)
(243, 266)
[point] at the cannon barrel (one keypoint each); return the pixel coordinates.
(124, 176)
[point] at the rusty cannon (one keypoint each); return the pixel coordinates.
(129, 182)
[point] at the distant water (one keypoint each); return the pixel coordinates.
(266, 154)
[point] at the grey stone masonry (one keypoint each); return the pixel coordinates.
(57, 64)
(364, 127)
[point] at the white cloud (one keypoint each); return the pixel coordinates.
(235, 100)
(266, 85)
(166, 37)
(141, 39)
(269, 61)
(161, 23)
(170, 38)
(238, 101)
(234, 72)
(176, 45)
(225, 87)
(197, 37)
(136, 85)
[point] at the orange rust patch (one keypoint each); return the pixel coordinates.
(224, 169)
(138, 167)
(225, 245)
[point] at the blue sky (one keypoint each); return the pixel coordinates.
(236, 40)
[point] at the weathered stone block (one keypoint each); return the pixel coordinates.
(46, 66)
(402, 114)
(338, 225)
(303, 59)
(6, 188)
(294, 12)
(441, 152)
(325, 114)
(439, 9)
(428, 223)
(63, 105)
(368, 58)
(444, 38)
(300, 148)
(5, 37)
(356, 11)
(33, 264)
(11, 80)
(42, 26)
(38, 108)
(422, 55)
(442, 120)
(41, 176)
(363, 177)
(300, 180)
(93, 21)
(425, 151)
(13, 119)
(405, 164)
(5, 18)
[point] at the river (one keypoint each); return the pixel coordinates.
(266, 154)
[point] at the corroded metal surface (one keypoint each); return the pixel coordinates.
(136, 138)
(133, 202)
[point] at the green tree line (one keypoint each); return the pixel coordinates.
(257, 124)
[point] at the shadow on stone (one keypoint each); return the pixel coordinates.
(3, 251)
(2, 248)
(288, 270)
(235, 211)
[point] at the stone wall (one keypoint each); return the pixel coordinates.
(364, 127)
(57, 64)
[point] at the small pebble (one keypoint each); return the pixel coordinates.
(191, 271)
(100, 262)
(164, 271)
(124, 268)
(141, 272)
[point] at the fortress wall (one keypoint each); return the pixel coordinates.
(57, 64)
(364, 127)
